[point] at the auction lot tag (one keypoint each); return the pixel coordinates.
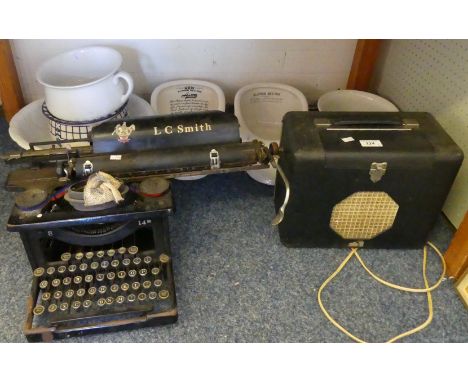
(370, 143)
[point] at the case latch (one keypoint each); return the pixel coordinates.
(377, 171)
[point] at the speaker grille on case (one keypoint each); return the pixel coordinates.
(363, 215)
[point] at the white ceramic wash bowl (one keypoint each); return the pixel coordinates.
(354, 100)
(186, 96)
(30, 125)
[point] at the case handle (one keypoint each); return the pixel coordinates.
(368, 122)
(405, 123)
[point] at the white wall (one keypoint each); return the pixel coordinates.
(313, 66)
(432, 76)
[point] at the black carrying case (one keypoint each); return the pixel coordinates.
(330, 158)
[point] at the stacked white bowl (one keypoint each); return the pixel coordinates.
(83, 88)
(260, 108)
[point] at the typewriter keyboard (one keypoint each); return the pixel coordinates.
(97, 283)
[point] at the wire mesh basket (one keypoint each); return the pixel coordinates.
(69, 130)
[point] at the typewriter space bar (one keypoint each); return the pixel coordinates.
(104, 315)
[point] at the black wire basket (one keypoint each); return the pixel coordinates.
(68, 130)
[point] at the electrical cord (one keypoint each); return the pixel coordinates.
(427, 289)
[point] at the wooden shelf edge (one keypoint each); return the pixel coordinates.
(10, 88)
(364, 61)
(456, 256)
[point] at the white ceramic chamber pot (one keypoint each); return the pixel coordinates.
(85, 84)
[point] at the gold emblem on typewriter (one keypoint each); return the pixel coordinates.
(123, 132)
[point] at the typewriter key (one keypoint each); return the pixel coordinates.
(132, 273)
(115, 263)
(143, 272)
(135, 285)
(101, 301)
(157, 283)
(121, 274)
(88, 278)
(50, 270)
(102, 289)
(92, 291)
(56, 283)
(72, 268)
(147, 284)
(83, 267)
(69, 293)
(89, 255)
(126, 262)
(122, 250)
(133, 250)
(120, 299)
(105, 264)
(109, 300)
(111, 252)
(142, 296)
(100, 277)
(94, 265)
(131, 297)
(67, 281)
(38, 310)
(76, 304)
(147, 259)
(43, 284)
(77, 279)
(63, 306)
(62, 269)
(45, 296)
(79, 256)
(114, 288)
(52, 308)
(66, 256)
(155, 271)
(87, 303)
(124, 286)
(163, 294)
(163, 258)
(100, 253)
(38, 272)
(81, 292)
(111, 276)
(137, 260)
(152, 295)
(58, 294)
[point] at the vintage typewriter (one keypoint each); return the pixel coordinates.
(108, 267)
(374, 180)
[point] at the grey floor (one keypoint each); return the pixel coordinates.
(237, 283)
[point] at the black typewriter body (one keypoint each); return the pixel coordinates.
(110, 268)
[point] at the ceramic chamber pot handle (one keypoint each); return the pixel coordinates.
(129, 80)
